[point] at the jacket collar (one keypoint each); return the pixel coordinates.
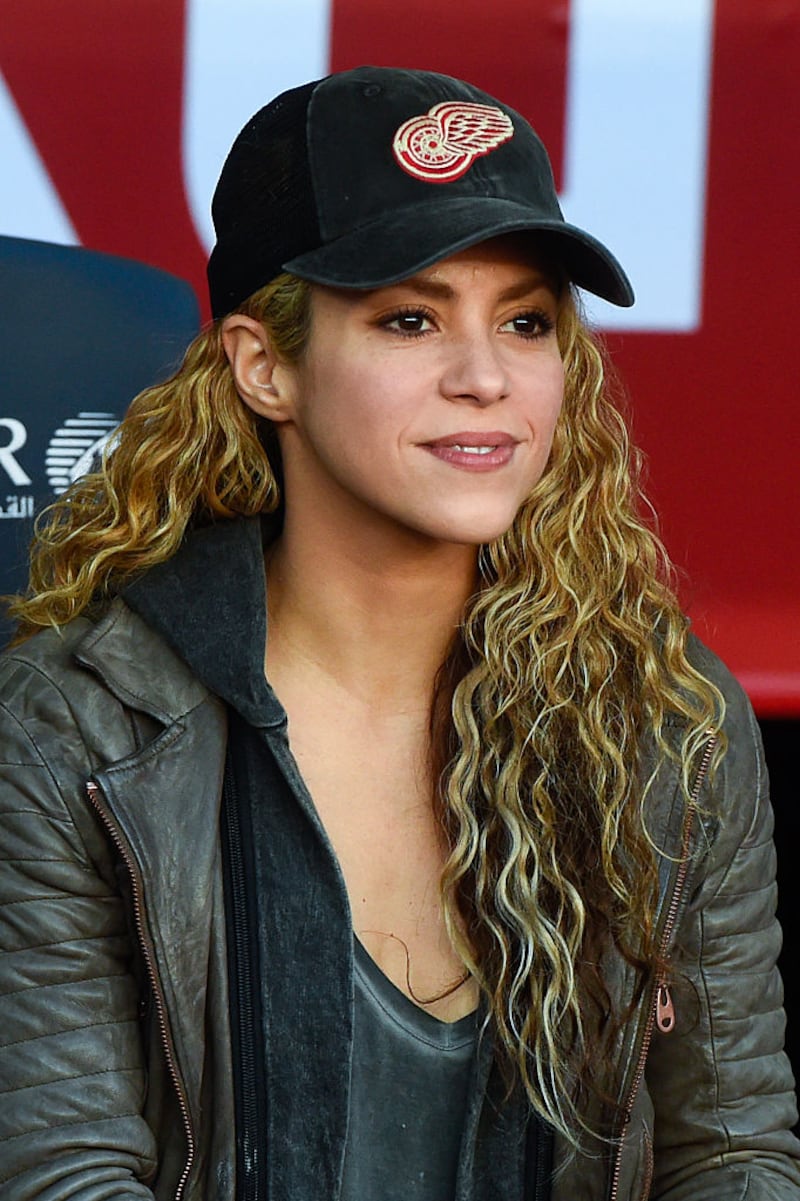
(208, 605)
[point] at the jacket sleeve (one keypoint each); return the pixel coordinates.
(72, 1081)
(720, 1082)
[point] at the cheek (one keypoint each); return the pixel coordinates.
(356, 406)
(346, 424)
(555, 415)
(548, 403)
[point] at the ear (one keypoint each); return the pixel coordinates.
(262, 381)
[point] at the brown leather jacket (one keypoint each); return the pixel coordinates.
(106, 1095)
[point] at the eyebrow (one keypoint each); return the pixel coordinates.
(439, 290)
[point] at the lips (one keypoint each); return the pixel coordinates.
(474, 450)
(475, 438)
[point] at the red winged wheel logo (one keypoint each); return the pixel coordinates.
(444, 143)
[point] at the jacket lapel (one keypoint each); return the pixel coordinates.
(163, 801)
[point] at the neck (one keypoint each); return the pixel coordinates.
(375, 613)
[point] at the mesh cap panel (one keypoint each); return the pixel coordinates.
(263, 209)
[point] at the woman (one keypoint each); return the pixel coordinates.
(521, 942)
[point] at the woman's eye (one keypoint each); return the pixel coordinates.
(411, 321)
(535, 324)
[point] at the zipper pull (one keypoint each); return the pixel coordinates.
(665, 1010)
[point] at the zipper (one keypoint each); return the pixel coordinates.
(649, 1164)
(249, 1125)
(665, 1011)
(94, 794)
(538, 1159)
(544, 1162)
(662, 1011)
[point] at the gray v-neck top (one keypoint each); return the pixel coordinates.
(408, 1093)
(208, 602)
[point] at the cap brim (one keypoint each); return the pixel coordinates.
(401, 243)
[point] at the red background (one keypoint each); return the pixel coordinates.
(716, 411)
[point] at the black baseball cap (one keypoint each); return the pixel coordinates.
(363, 178)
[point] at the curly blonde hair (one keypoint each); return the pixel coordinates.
(574, 653)
(571, 652)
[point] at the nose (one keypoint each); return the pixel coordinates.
(474, 372)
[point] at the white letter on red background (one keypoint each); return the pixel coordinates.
(239, 54)
(635, 169)
(30, 207)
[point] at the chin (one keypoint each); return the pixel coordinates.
(474, 533)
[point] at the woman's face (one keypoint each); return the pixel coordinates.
(428, 406)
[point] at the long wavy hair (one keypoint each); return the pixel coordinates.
(572, 653)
